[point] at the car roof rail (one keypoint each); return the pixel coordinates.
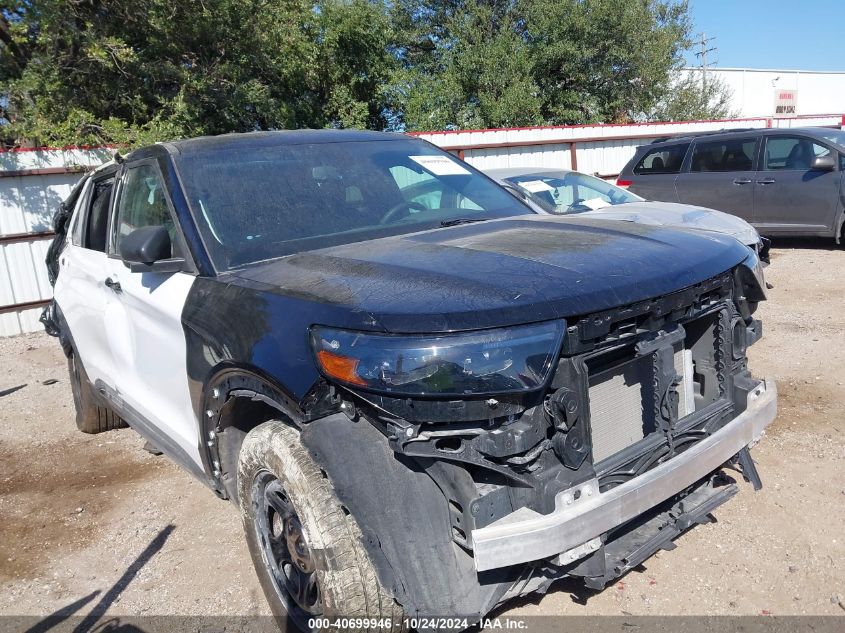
(691, 135)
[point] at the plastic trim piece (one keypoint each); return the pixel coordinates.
(525, 535)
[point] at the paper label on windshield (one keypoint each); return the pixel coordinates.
(440, 165)
(535, 186)
(595, 203)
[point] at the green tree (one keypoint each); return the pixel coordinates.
(93, 71)
(467, 65)
(488, 63)
(695, 96)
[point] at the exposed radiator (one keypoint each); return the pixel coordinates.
(622, 403)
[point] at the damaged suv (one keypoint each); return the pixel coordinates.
(424, 398)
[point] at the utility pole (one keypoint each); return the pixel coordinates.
(702, 52)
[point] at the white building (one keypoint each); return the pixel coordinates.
(772, 93)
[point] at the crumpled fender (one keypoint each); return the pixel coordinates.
(404, 519)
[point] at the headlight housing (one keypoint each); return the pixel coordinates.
(496, 361)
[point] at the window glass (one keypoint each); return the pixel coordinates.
(423, 189)
(792, 152)
(143, 203)
(724, 155)
(571, 192)
(79, 217)
(258, 202)
(97, 219)
(662, 160)
(834, 136)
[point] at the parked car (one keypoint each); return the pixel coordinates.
(561, 191)
(782, 181)
(420, 409)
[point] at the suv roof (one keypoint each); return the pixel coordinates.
(690, 136)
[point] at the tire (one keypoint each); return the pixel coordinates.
(91, 417)
(283, 494)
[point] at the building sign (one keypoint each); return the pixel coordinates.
(785, 102)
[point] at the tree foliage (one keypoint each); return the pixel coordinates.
(121, 71)
(88, 71)
(695, 95)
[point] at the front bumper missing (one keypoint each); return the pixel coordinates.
(582, 513)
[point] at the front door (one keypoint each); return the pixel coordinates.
(789, 197)
(721, 176)
(146, 334)
(80, 291)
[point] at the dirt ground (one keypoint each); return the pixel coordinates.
(95, 523)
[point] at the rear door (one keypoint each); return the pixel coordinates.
(720, 175)
(145, 332)
(80, 289)
(789, 197)
(654, 174)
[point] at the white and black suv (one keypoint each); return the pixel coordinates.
(425, 398)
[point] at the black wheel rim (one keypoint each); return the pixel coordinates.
(286, 552)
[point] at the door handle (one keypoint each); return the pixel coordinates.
(114, 284)
(742, 181)
(767, 181)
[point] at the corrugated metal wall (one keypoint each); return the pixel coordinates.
(597, 149)
(32, 184)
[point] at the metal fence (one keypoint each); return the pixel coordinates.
(33, 182)
(601, 150)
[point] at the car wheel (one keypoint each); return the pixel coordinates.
(90, 416)
(307, 549)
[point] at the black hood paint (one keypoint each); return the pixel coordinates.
(496, 273)
(489, 274)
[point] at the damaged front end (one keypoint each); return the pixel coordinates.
(573, 448)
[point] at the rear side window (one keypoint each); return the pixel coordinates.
(662, 160)
(724, 155)
(97, 217)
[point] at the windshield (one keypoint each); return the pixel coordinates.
(571, 192)
(259, 203)
(834, 136)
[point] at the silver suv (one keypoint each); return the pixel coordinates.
(782, 181)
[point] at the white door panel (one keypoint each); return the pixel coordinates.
(145, 335)
(84, 301)
(83, 298)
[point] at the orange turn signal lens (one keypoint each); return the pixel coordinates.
(340, 367)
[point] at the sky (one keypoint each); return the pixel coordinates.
(796, 35)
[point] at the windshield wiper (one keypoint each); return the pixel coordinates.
(457, 221)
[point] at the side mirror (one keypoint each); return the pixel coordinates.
(143, 247)
(823, 163)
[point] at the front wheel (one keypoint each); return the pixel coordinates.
(306, 548)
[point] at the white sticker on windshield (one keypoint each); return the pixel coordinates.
(535, 186)
(595, 203)
(440, 165)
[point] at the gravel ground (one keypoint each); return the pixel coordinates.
(98, 520)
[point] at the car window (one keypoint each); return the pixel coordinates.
(143, 203)
(94, 227)
(79, 217)
(259, 203)
(662, 160)
(571, 192)
(423, 189)
(792, 152)
(724, 155)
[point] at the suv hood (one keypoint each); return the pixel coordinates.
(493, 273)
(681, 215)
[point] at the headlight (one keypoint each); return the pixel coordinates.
(496, 361)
